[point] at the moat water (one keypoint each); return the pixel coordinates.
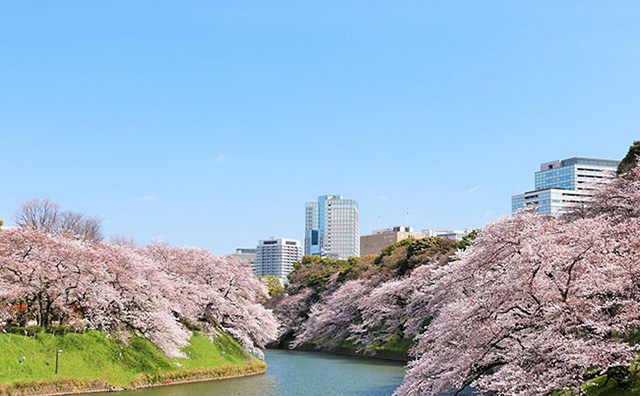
(293, 373)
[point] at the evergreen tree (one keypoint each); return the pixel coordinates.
(629, 162)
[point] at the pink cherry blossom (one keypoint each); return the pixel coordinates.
(151, 291)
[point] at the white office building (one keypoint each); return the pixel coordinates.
(276, 256)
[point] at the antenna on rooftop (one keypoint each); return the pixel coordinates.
(408, 219)
(379, 223)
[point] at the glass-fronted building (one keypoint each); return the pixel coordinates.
(551, 201)
(311, 229)
(565, 185)
(575, 173)
(331, 227)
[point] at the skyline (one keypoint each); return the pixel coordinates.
(212, 125)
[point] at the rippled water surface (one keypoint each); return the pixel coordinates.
(292, 373)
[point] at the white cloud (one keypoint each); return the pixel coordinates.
(487, 213)
(221, 158)
(144, 198)
(473, 189)
(383, 198)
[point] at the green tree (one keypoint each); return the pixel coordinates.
(629, 162)
(273, 285)
(467, 240)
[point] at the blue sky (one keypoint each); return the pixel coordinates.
(211, 123)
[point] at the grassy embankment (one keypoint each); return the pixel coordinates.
(94, 360)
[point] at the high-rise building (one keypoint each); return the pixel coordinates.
(311, 230)
(276, 256)
(565, 185)
(331, 227)
(380, 239)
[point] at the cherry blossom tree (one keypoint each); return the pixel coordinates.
(395, 307)
(620, 198)
(536, 304)
(530, 308)
(151, 292)
(45, 272)
(219, 291)
(367, 311)
(137, 296)
(292, 311)
(331, 318)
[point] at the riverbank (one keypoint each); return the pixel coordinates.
(96, 362)
(80, 386)
(397, 349)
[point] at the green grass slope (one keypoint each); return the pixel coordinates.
(94, 359)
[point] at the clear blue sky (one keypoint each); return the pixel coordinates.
(211, 123)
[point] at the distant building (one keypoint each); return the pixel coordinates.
(565, 185)
(380, 239)
(581, 174)
(311, 229)
(331, 227)
(276, 256)
(455, 235)
(247, 254)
